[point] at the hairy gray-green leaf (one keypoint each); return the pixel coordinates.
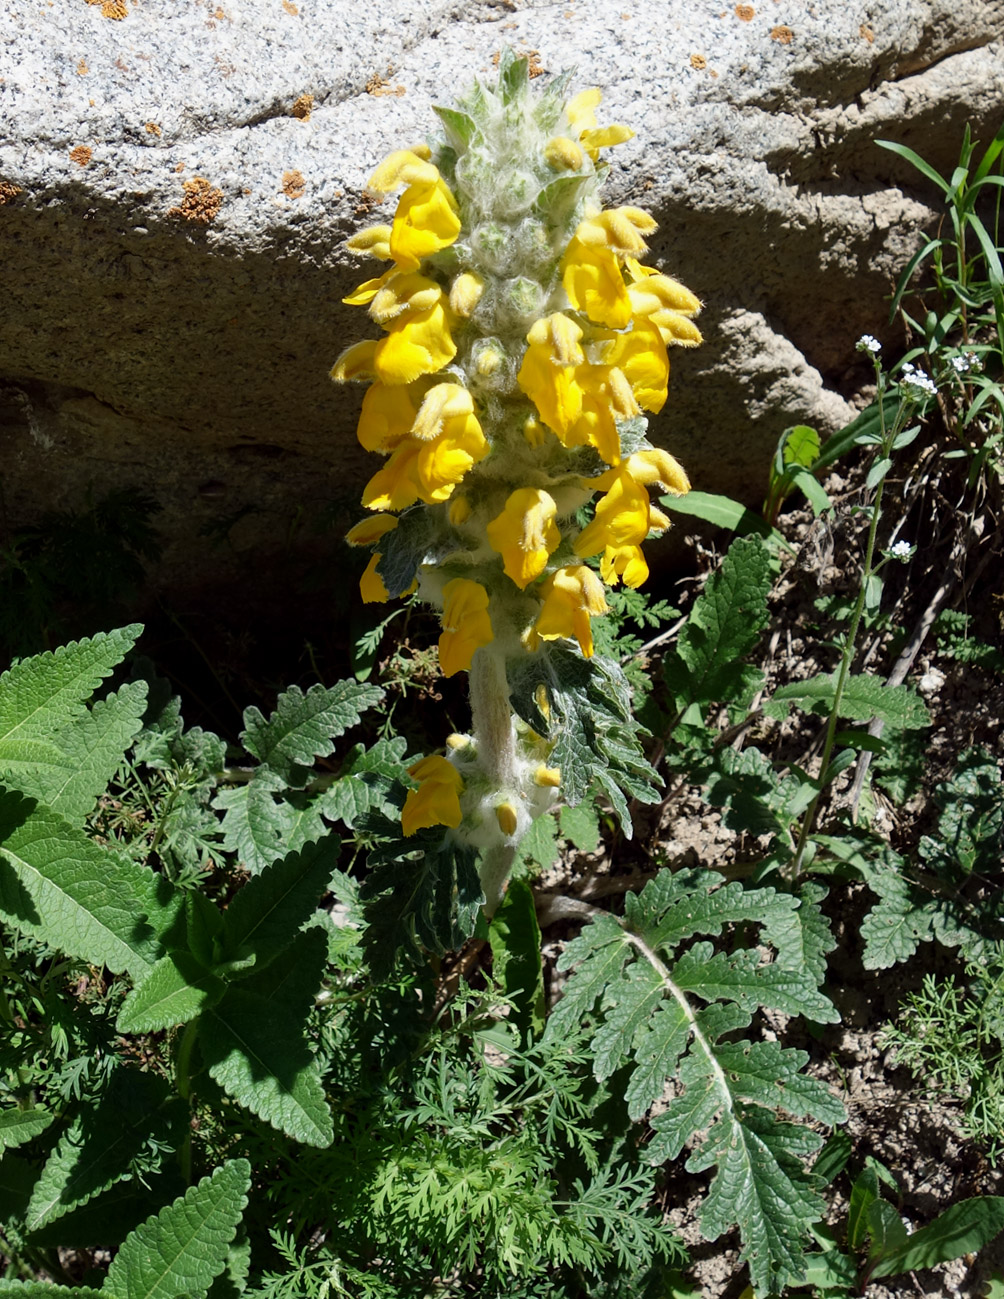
(81, 899)
(184, 1248)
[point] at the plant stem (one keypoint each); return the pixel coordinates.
(183, 1083)
(492, 726)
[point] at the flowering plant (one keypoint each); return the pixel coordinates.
(523, 338)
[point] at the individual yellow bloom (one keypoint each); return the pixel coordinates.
(447, 409)
(403, 291)
(437, 799)
(547, 777)
(466, 624)
(581, 110)
(627, 562)
(465, 294)
(388, 413)
(505, 815)
(563, 154)
(640, 355)
(368, 290)
(596, 425)
(375, 241)
(417, 343)
(622, 514)
(668, 305)
(604, 136)
(572, 596)
(659, 468)
(548, 372)
(427, 218)
(396, 485)
(593, 281)
(371, 586)
(442, 464)
(356, 362)
(369, 531)
(525, 534)
(620, 229)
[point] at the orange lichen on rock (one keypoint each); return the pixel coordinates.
(293, 184)
(380, 86)
(745, 13)
(82, 68)
(302, 108)
(152, 128)
(289, 7)
(8, 191)
(111, 8)
(783, 35)
(81, 155)
(201, 202)
(698, 62)
(865, 31)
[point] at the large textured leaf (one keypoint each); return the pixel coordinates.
(45, 1290)
(81, 899)
(257, 1051)
(363, 785)
(105, 1221)
(269, 910)
(46, 693)
(263, 820)
(177, 988)
(182, 1249)
(95, 1151)
(90, 750)
(305, 726)
(650, 980)
(18, 1126)
(962, 1229)
(724, 624)
(862, 698)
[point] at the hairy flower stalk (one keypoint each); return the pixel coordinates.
(522, 339)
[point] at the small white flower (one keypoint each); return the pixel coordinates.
(900, 550)
(966, 362)
(916, 383)
(866, 343)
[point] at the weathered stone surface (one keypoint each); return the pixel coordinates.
(171, 268)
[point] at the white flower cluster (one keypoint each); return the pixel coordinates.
(966, 362)
(866, 343)
(900, 550)
(916, 383)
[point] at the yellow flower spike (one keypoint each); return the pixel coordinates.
(627, 562)
(593, 281)
(401, 292)
(358, 361)
(388, 413)
(547, 777)
(563, 154)
(505, 815)
(418, 343)
(375, 241)
(548, 372)
(437, 799)
(466, 625)
(622, 514)
(369, 531)
(572, 596)
(371, 586)
(465, 294)
(525, 534)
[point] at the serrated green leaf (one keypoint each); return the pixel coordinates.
(177, 989)
(19, 1126)
(724, 624)
(46, 1290)
(267, 913)
(628, 1005)
(17, 1177)
(90, 751)
(264, 820)
(108, 1218)
(863, 697)
(47, 693)
(183, 1248)
(96, 1150)
(539, 846)
(305, 726)
(581, 826)
(516, 961)
(962, 1229)
(658, 1046)
(93, 904)
(294, 982)
(257, 1051)
(365, 782)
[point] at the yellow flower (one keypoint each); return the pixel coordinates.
(627, 562)
(375, 241)
(505, 815)
(619, 228)
(666, 303)
(466, 625)
(572, 595)
(447, 410)
(371, 586)
(417, 343)
(465, 294)
(547, 777)
(388, 413)
(525, 534)
(580, 111)
(427, 469)
(437, 799)
(593, 281)
(369, 531)
(640, 354)
(548, 372)
(563, 154)
(427, 218)
(621, 517)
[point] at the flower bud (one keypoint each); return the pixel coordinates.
(505, 814)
